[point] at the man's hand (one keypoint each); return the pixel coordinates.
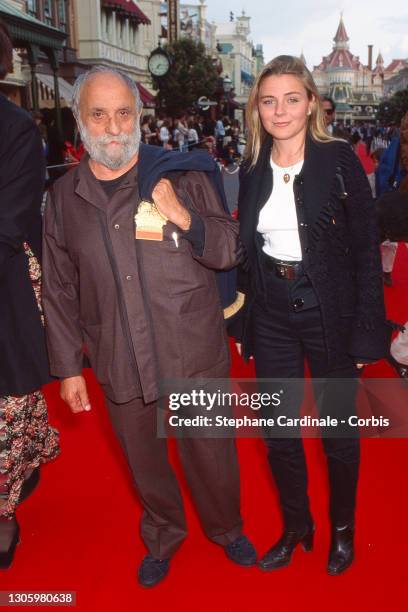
(169, 206)
(73, 392)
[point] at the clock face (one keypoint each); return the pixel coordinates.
(159, 64)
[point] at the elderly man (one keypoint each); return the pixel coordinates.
(133, 280)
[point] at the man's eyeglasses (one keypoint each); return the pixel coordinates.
(329, 111)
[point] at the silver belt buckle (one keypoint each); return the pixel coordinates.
(285, 271)
(280, 270)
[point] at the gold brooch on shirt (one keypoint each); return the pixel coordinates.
(149, 222)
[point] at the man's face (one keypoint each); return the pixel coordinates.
(109, 121)
(329, 113)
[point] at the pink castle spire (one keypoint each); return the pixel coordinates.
(341, 39)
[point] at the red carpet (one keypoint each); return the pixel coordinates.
(79, 531)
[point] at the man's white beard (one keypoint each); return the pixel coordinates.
(97, 149)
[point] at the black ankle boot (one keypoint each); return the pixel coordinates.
(30, 484)
(280, 555)
(341, 552)
(9, 538)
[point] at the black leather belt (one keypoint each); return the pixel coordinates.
(289, 270)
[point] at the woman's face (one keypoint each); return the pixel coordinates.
(283, 106)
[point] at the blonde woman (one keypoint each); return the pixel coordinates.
(313, 285)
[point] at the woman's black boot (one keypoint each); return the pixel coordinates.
(280, 555)
(9, 538)
(30, 484)
(341, 552)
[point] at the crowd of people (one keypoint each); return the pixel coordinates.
(221, 137)
(138, 257)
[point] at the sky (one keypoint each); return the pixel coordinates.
(290, 26)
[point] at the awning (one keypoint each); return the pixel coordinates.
(148, 99)
(129, 8)
(65, 88)
(25, 29)
(247, 78)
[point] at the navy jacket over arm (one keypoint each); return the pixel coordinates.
(156, 163)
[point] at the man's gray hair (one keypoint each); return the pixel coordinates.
(83, 78)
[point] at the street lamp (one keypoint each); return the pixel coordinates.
(227, 86)
(227, 83)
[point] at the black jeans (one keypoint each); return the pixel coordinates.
(283, 338)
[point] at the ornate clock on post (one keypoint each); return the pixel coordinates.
(159, 67)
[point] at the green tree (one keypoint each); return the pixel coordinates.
(392, 110)
(191, 75)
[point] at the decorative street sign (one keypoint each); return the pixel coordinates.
(204, 103)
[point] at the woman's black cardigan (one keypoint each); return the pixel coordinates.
(340, 247)
(23, 354)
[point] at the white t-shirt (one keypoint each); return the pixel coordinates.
(164, 134)
(192, 135)
(278, 222)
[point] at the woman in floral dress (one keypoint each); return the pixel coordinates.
(26, 439)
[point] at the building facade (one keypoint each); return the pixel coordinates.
(194, 24)
(43, 35)
(395, 77)
(121, 34)
(241, 61)
(356, 88)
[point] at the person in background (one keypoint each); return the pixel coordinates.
(147, 134)
(192, 136)
(388, 178)
(399, 346)
(333, 128)
(26, 439)
(235, 132)
(164, 134)
(366, 160)
(228, 131)
(181, 133)
(329, 110)
(219, 133)
(38, 118)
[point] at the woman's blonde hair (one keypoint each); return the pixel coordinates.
(283, 64)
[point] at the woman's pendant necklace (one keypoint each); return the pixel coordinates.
(287, 173)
